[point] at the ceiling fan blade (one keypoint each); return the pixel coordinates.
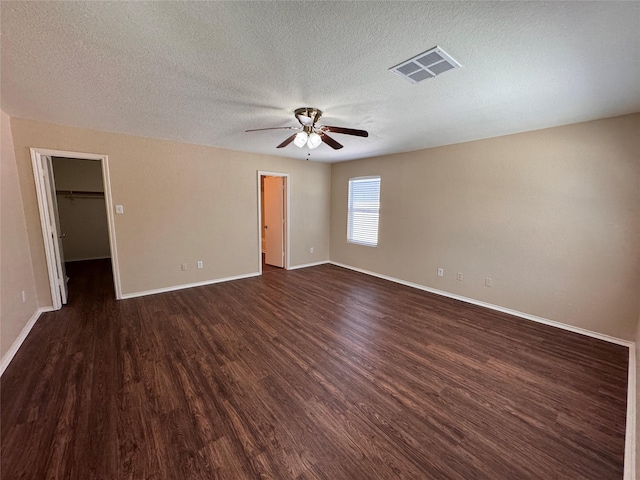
(271, 128)
(347, 131)
(330, 141)
(287, 141)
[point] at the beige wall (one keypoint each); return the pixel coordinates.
(552, 216)
(16, 274)
(182, 203)
(83, 218)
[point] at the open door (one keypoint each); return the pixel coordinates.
(50, 222)
(54, 226)
(274, 221)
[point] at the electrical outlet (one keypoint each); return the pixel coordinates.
(200, 264)
(184, 267)
(441, 272)
(24, 296)
(459, 276)
(488, 282)
(310, 249)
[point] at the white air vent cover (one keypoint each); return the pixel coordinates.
(427, 65)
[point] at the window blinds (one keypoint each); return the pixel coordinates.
(363, 210)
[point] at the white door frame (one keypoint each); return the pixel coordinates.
(287, 216)
(43, 206)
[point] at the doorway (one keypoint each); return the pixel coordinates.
(273, 221)
(83, 186)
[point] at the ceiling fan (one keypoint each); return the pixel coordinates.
(311, 134)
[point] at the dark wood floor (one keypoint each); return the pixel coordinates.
(313, 373)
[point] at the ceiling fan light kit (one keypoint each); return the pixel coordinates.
(314, 140)
(301, 139)
(311, 134)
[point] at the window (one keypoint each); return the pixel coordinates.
(364, 210)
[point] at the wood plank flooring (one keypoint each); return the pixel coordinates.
(318, 373)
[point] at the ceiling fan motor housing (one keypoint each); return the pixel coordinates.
(313, 114)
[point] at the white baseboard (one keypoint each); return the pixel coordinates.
(187, 285)
(15, 346)
(305, 265)
(632, 419)
(553, 323)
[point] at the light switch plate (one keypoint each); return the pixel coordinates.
(119, 209)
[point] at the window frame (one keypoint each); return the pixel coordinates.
(351, 211)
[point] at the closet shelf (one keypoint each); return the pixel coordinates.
(80, 194)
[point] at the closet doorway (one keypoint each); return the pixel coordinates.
(273, 220)
(74, 197)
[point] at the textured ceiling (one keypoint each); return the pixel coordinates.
(203, 72)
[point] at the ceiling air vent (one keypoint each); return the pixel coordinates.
(427, 65)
